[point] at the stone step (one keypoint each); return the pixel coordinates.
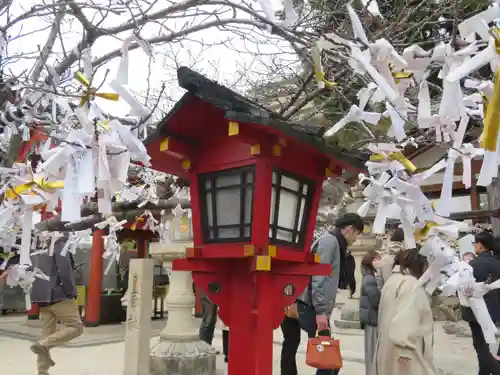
(347, 324)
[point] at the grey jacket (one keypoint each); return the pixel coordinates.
(369, 299)
(324, 288)
(61, 284)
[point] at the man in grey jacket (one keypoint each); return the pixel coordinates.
(317, 302)
(57, 300)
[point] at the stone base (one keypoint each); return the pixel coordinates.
(349, 315)
(347, 324)
(182, 358)
(460, 329)
(457, 329)
(446, 308)
(350, 310)
(339, 305)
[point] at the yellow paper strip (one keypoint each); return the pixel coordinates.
(320, 77)
(82, 79)
(492, 118)
(396, 156)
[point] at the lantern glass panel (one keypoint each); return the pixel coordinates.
(229, 180)
(287, 208)
(290, 183)
(290, 206)
(226, 200)
(284, 235)
(248, 208)
(210, 214)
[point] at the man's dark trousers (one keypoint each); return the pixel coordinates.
(487, 363)
(209, 319)
(291, 342)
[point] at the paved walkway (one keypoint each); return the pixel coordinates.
(99, 351)
(107, 359)
(18, 327)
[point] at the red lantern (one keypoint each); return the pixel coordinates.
(255, 182)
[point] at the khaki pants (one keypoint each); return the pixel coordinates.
(67, 313)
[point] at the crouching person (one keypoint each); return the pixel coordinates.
(57, 300)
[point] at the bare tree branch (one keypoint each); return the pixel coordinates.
(168, 38)
(49, 44)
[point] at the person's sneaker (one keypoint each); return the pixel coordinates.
(43, 351)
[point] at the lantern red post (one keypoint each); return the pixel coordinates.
(255, 184)
(142, 248)
(93, 300)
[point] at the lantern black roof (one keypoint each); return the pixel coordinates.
(238, 108)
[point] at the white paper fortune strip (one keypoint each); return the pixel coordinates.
(356, 114)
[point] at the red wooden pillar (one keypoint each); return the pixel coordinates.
(93, 301)
(33, 313)
(474, 196)
(142, 248)
(242, 327)
(263, 341)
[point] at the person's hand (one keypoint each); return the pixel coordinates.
(322, 322)
(404, 360)
(3, 276)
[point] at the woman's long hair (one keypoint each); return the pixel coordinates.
(411, 261)
(368, 258)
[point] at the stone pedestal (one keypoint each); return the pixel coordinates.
(349, 315)
(179, 350)
(461, 329)
(446, 308)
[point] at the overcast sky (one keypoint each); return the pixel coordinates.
(218, 61)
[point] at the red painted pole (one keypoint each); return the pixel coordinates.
(33, 313)
(142, 248)
(93, 301)
(263, 339)
(242, 333)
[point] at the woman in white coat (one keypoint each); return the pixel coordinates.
(406, 335)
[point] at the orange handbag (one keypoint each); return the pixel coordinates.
(323, 352)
